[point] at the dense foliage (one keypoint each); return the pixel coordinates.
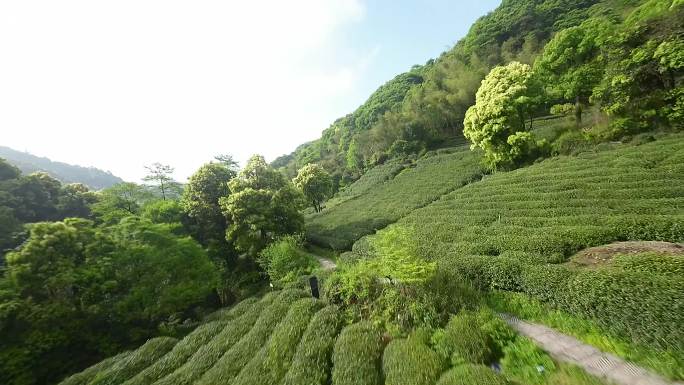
(74, 292)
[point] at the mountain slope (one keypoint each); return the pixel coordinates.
(67, 173)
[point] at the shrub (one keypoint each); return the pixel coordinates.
(230, 364)
(87, 375)
(313, 359)
(464, 341)
(356, 356)
(525, 363)
(207, 355)
(133, 363)
(285, 259)
(410, 361)
(471, 375)
(270, 364)
(571, 142)
(178, 355)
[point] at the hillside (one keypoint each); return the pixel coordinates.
(67, 173)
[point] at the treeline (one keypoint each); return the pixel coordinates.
(89, 274)
(627, 66)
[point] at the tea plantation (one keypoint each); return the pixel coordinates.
(287, 337)
(380, 198)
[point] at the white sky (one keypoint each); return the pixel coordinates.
(119, 84)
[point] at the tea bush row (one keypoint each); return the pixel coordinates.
(230, 364)
(180, 353)
(313, 360)
(233, 312)
(87, 375)
(133, 363)
(643, 306)
(470, 374)
(357, 355)
(411, 361)
(270, 364)
(206, 356)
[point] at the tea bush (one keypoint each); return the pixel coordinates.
(230, 364)
(470, 374)
(410, 361)
(87, 375)
(133, 363)
(180, 353)
(464, 341)
(357, 355)
(207, 355)
(313, 359)
(270, 364)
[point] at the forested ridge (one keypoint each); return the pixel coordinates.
(534, 169)
(92, 177)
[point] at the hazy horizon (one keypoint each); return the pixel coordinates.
(120, 85)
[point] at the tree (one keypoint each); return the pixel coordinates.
(228, 161)
(75, 200)
(75, 293)
(200, 201)
(315, 183)
(119, 201)
(160, 175)
(571, 63)
(496, 123)
(8, 171)
(261, 207)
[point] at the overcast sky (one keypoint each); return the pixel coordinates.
(120, 84)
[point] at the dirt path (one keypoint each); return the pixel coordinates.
(603, 365)
(326, 263)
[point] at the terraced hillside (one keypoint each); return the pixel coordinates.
(515, 231)
(380, 198)
(287, 338)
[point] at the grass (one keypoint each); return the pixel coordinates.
(270, 364)
(210, 353)
(232, 362)
(313, 359)
(87, 375)
(340, 225)
(357, 356)
(179, 354)
(133, 363)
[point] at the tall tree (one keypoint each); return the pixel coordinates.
(571, 63)
(315, 183)
(161, 176)
(496, 123)
(262, 206)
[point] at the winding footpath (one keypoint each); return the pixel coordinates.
(568, 349)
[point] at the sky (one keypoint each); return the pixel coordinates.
(122, 84)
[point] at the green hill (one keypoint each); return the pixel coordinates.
(66, 173)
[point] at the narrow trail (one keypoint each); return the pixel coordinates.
(326, 263)
(568, 349)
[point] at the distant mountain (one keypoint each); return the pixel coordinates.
(92, 177)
